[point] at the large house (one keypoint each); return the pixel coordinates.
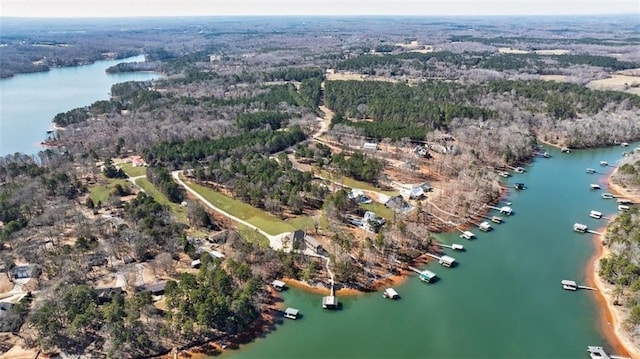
(302, 241)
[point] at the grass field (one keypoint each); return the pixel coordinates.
(259, 218)
(352, 183)
(252, 236)
(379, 209)
(178, 211)
(100, 193)
(133, 171)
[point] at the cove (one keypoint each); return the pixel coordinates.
(503, 300)
(28, 102)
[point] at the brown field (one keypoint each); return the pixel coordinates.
(617, 83)
(559, 78)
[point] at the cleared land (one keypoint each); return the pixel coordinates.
(100, 193)
(178, 211)
(625, 83)
(132, 171)
(239, 209)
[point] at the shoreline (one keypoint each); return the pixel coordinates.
(611, 316)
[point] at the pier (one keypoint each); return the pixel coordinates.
(455, 247)
(599, 353)
(444, 260)
(466, 234)
(573, 286)
(504, 209)
(424, 275)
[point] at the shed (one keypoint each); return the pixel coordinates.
(371, 146)
(278, 285)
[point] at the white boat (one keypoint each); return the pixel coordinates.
(604, 163)
(565, 150)
(623, 207)
(594, 186)
(457, 247)
(519, 170)
(607, 196)
(579, 227)
(624, 144)
(591, 170)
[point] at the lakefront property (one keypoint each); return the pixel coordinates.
(300, 168)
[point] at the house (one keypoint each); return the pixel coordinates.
(104, 295)
(426, 187)
(370, 146)
(303, 241)
(371, 222)
(155, 288)
(397, 203)
(25, 271)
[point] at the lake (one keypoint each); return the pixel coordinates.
(28, 102)
(503, 300)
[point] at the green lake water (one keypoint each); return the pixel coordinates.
(503, 300)
(28, 102)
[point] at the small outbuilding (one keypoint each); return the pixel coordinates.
(291, 313)
(278, 285)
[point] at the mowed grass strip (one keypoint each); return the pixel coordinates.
(379, 209)
(133, 171)
(352, 183)
(257, 217)
(178, 211)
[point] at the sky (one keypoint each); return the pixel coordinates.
(129, 8)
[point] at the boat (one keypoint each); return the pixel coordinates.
(518, 170)
(565, 150)
(569, 285)
(607, 196)
(518, 185)
(546, 155)
(427, 276)
(496, 219)
(595, 214)
(390, 293)
(594, 186)
(604, 163)
(624, 201)
(624, 144)
(579, 227)
(591, 170)
(504, 174)
(291, 313)
(623, 207)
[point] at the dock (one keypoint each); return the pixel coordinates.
(466, 234)
(607, 196)
(595, 214)
(444, 260)
(424, 275)
(573, 286)
(390, 293)
(455, 247)
(485, 226)
(599, 353)
(591, 171)
(594, 186)
(504, 209)
(291, 313)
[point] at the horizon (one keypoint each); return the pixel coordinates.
(71, 9)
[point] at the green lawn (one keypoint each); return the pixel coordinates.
(259, 218)
(252, 236)
(133, 171)
(379, 209)
(178, 211)
(100, 193)
(352, 183)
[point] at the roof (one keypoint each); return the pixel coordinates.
(447, 259)
(312, 241)
(330, 300)
(154, 287)
(391, 292)
(298, 234)
(278, 283)
(292, 311)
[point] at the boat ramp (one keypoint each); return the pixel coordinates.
(573, 286)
